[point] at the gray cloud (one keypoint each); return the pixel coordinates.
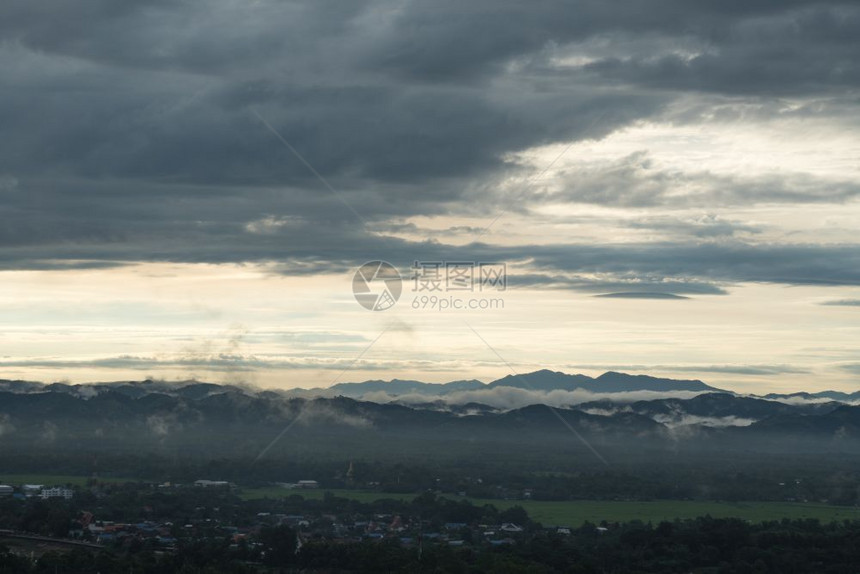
(633, 281)
(244, 363)
(642, 295)
(797, 50)
(128, 132)
(705, 226)
(729, 261)
(757, 369)
(660, 266)
(634, 181)
(763, 370)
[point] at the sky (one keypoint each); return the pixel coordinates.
(188, 189)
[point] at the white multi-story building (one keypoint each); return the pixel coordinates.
(57, 492)
(212, 483)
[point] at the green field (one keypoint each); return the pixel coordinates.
(316, 494)
(566, 513)
(575, 512)
(54, 479)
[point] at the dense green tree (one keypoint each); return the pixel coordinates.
(280, 545)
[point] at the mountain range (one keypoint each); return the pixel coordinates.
(543, 380)
(195, 418)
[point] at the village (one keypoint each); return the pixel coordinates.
(173, 515)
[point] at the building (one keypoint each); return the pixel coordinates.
(32, 489)
(57, 492)
(6, 490)
(308, 484)
(212, 483)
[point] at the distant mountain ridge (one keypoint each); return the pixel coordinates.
(202, 417)
(608, 382)
(614, 411)
(829, 395)
(401, 387)
(543, 380)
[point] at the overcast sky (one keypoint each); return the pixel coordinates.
(186, 188)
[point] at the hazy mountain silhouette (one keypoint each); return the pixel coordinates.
(402, 387)
(543, 380)
(201, 418)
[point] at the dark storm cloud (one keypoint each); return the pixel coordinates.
(151, 92)
(787, 53)
(438, 41)
(127, 110)
(697, 268)
(129, 131)
(727, 262)
(426, 40)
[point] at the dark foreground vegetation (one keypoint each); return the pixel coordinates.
(702, 545)
(146, 528)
